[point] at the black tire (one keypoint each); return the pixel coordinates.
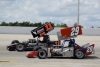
(14, 41)
(79, 54)
(20, 47)
(42, 54)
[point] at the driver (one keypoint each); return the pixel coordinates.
(45, 38)
(70, 44)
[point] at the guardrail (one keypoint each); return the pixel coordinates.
(26, 30)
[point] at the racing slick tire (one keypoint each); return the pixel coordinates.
(14, 41)
(42, 54)
(79, 54)
(20, 47)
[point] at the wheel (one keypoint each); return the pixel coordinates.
(79, 54)
(14, 41)
(42, 54)
(20, 47)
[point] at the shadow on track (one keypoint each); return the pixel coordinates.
(88, 57)
(91, 57)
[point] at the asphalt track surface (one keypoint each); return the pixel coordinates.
(19, 59)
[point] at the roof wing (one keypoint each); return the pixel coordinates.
(40, 31)
(69, 32)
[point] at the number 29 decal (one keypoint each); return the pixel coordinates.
(74, 31)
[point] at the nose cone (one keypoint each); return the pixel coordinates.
(90, 50)
(31, 54)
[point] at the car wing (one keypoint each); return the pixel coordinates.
(40, 31)
(69, 32)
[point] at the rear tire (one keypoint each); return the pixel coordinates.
(42, 54)
(20, 47)
(79, 54)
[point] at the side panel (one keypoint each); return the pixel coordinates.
(49, 53)
(68, 52)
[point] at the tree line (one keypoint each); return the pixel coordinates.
(36, 24)
(29, 24)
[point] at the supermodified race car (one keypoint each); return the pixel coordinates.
(29, 44)
(72, 50)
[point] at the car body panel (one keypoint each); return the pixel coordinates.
(89, 48)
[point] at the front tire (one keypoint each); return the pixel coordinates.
(79, 54)
(42, 54)
(20, 47)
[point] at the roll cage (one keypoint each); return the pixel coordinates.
(72, 41)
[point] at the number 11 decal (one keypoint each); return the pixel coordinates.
(74, 31)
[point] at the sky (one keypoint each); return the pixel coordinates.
(56, 11)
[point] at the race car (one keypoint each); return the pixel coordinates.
(39, 32)
(72, 50)
(21, 46)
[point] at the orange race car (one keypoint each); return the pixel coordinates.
(31, 44)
